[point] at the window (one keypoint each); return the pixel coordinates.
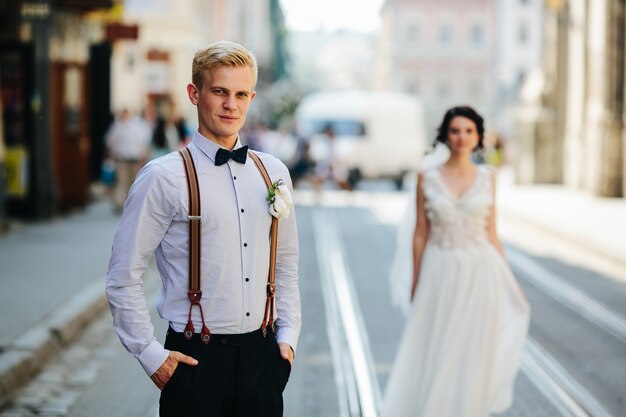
(352, 128)
(476, 34)
(475, 89)
(445, 34)
(143, 6)
(443, 88)
(522, 33)
(521, 76)
(412, 33)
(413, 87)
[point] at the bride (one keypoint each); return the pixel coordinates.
(466, 326)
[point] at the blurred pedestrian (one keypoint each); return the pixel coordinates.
(303, 165)
(128, 144)
(166, 137)
(461, 347)
(184, 135)
(494, 154)
(329, 165)
(229, 361)
(252, 136)
(279, 144)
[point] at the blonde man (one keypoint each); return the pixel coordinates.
(238, 372)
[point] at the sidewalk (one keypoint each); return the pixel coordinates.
(52, 286)
(595, 224)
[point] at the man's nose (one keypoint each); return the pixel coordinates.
(229, 102)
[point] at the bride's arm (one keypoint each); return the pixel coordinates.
(491, 221)
(420, 236)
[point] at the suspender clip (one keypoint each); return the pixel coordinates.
(194, 296)
(270, 290)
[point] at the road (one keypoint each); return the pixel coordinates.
(574, 362)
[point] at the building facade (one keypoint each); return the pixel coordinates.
(518, 53)
(570, 120)
(67, 65)
(442, 51)
(46, 57)
(152, 72)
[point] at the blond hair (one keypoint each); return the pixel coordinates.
(222, 53)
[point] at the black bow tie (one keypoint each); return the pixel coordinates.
(238, 155)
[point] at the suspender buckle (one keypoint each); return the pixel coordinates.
(194, 218)
(194, 296)
(189, 330)
(270, 290)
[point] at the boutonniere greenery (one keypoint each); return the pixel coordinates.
(279, 199)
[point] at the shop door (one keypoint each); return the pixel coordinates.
(70, 129)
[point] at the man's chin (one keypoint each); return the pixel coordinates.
(229, 129)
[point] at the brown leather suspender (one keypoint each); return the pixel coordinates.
(195, 220)
(195, 239)
(269, 303)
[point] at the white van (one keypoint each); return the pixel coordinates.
(379, 134)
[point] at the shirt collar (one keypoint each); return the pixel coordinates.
(208, 147)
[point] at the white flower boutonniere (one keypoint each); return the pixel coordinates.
(279, 199)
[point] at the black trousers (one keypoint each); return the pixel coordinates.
(241, 375)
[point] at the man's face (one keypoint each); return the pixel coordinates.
(223, 103)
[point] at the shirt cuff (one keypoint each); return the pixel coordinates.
(153, 357)
(289, 336)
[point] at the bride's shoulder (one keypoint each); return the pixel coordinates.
(489, 176)
(427, 175)
(488, 170)
(427, 172)
(427, 179)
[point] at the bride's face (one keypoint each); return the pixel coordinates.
(462, 135)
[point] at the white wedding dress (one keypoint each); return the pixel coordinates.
(465, 330)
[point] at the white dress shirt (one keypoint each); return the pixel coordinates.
(235, 252)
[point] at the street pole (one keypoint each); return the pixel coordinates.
(43, 192)
(2, 174)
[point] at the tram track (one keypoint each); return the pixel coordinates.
(354, 370)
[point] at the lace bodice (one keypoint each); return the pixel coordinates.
(458, 222)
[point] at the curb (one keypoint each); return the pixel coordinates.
(22, 360)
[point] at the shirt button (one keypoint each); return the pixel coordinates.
(242, 210)
(247, 314)
(245, 245)
(235, 177)
(247, 279)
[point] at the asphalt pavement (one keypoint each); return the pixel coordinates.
(53, 288)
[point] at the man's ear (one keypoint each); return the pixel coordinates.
(253, 95)
(193, 93)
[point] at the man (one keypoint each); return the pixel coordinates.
(239, 372)
(128, 143)
(329, 163)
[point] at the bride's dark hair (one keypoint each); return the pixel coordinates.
(464, 111)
